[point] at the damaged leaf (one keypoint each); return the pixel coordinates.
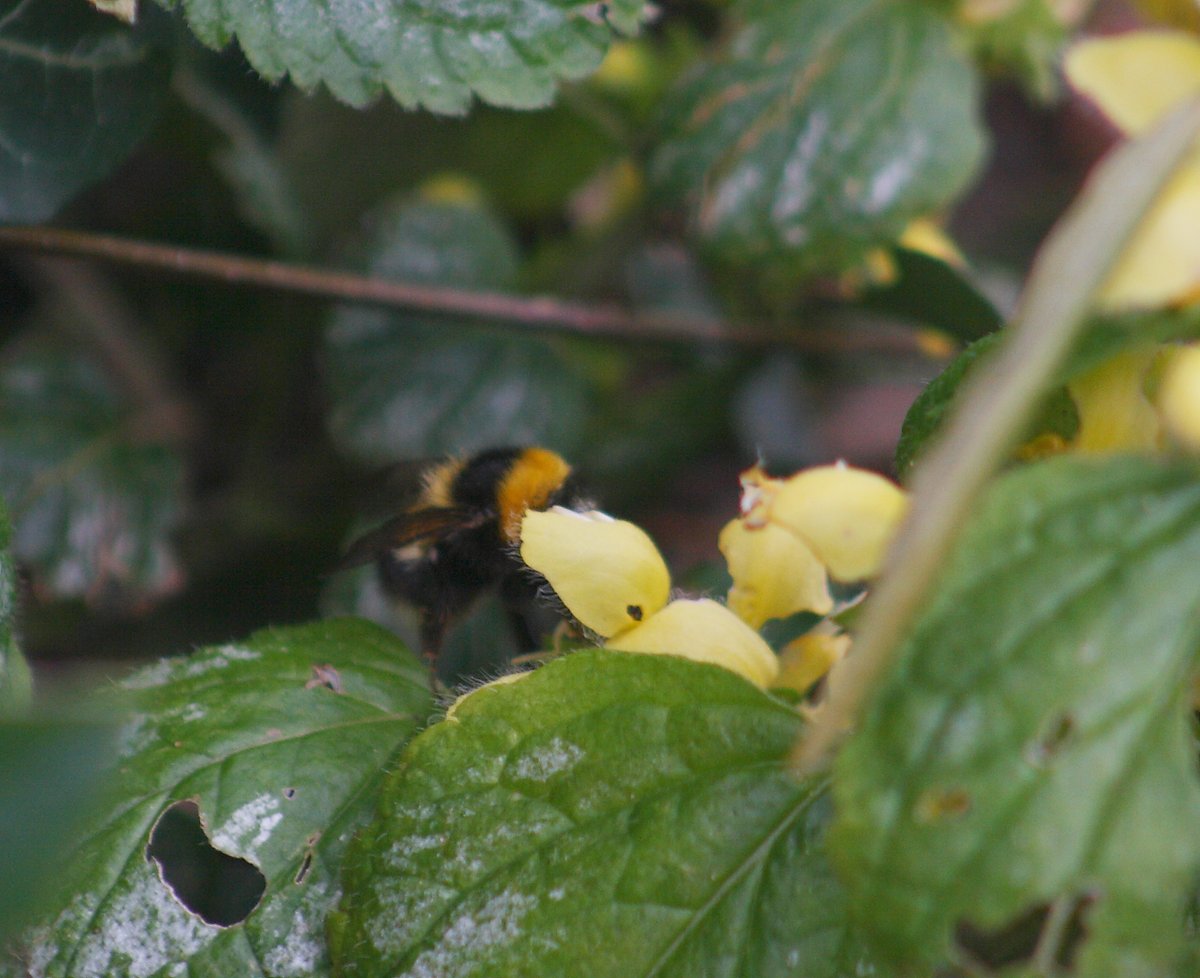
(1027, 772)
(279, 772)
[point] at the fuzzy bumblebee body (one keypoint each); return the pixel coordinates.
(462, 535)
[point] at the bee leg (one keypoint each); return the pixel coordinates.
(433, 631)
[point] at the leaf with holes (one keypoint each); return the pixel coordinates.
(92, 501)
(81, 90)
(609, 815)
(277, 744)
(1023, 789)
(412, 386)
(821, 131)
(434, 54)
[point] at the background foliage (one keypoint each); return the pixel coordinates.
(724, 204)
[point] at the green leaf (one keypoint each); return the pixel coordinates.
(1030, 746)
(16, 682)
(1104, 336)
(934, 293)
(93, 503)
(823, 128)
(435, 54)
(48, 770)
(81, 90)
(412, 386)
(606, 815)
(280, 741)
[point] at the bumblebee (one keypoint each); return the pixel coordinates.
(462, 537)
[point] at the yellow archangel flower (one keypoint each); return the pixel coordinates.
(612, 579)
(1136, 79)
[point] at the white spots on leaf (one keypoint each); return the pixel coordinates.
(301, 948)
(556, 756)
(249, 828)
(219, 658)
(153, 675)
(142, 930)
(888, 183)
(796, 185)
(468, 944)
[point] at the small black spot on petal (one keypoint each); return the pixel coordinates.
(634, 611)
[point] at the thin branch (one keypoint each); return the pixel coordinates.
(536, 312)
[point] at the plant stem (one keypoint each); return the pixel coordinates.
(537, 312)
(995, 404)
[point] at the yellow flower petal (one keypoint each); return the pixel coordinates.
(774, 574)
(1179, 396)
(1177, 13)
(704, 631)
(607, 572)
(1137, 77)
(1114, 412)
(925, 236)
(808, 658)
(1161, 262)
(846, 516)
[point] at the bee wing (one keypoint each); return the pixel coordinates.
(418, 524)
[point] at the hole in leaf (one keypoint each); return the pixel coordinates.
(219, 888)
(289, 793)
(1048, 934)
(305, 866)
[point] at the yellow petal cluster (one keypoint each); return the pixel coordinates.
(1137, 78)
(607, 572)
(612, 578)
(844, 515)
(704, 631)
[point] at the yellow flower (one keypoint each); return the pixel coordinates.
(845, 516)
(775, 574)
(1114, 413)
(1179, 396)
(607, 572)
(1137, 78)
(808, 658)
(704, 631)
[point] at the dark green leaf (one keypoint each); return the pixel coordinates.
(1030, 748)
(607, 815)
(410, 386)
(824, 127)
(80, 91)
(280, 741)
(48, 771)
(934, 293)
(433, 54)
(92, 504)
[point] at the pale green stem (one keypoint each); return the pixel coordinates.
(996, 403)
